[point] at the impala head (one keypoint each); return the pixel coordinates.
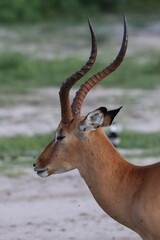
(75, 133)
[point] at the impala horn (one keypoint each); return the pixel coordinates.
(66, 111)
(92, 81)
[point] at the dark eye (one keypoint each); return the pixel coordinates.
(60, 138)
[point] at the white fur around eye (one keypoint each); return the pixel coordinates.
(56, 137)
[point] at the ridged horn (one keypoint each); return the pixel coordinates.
(92, 81)
(66, 112)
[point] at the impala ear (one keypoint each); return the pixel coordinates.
(98, 118)
(110, 115)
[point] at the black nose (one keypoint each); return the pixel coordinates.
(34, 164)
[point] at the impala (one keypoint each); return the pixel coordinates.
(129, 194)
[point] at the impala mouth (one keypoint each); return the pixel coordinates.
(42, 172)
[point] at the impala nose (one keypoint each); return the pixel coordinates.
(34, 164)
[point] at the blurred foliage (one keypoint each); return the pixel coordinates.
(148, 143)
(20, 151)
(139, 140)
(20, 73)
(38, 10)
(13, 147)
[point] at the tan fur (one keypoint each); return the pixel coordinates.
(129, 194)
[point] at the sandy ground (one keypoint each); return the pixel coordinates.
(40, 112)
(60, 207)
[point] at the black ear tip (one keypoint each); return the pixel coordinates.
(120, 108)
(113, 113)
(116, 111)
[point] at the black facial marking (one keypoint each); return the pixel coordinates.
(59, 138)
(60, 135)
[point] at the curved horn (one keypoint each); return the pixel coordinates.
(66, 112)
(92, 81)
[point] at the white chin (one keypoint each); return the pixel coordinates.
(63, 170)
(43, 174)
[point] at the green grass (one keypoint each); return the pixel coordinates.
(131, 139)
(148, 143)
(20, 152)
(12, 147)
(134, 74)
(20, 73)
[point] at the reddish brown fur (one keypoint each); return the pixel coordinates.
(129, 194)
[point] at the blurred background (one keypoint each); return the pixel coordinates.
(41, 44)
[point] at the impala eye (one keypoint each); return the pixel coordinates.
(60, 138)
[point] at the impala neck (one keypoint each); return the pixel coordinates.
(112, 181)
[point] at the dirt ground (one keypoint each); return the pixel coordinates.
(60, 207)
(40, 112)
